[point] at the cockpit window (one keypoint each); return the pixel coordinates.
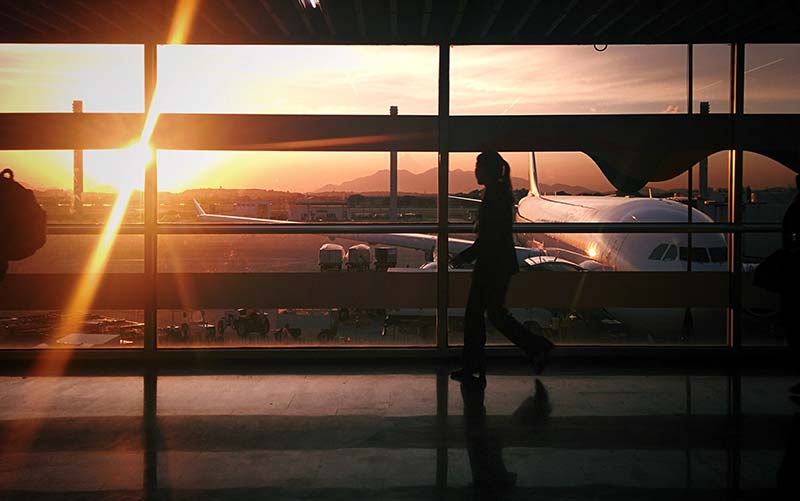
(718, 254)
(672, 253)
(658, 252)
(699, 254)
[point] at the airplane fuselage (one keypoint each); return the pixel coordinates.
(624, 251)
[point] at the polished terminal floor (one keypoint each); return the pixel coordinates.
(410, 433)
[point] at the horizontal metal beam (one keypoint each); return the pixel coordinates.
(295, 132)
(369, 290)
(607, 290)
(590, 133)
(23, 131)
(53, 291)
(452, 21)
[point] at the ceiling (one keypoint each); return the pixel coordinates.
(405, 21)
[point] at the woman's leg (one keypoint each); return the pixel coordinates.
(509, 326)
(473, 356)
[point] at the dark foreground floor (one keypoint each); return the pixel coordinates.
(407, 435)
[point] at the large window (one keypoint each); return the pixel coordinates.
(361, 267)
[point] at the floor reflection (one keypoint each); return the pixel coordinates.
(401, 436)
(490, 477)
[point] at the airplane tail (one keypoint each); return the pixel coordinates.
(198, 208)
(533, 175)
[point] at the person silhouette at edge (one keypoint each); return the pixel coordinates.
(789, 299)
(495, 263)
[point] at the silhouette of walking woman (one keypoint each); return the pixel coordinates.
(495, 264)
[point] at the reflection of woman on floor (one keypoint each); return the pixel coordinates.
(484, 447)
(495, 263)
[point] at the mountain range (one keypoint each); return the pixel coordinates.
(461, 181)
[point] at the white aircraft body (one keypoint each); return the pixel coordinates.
(624, 251)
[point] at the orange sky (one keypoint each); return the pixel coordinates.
(350, 80)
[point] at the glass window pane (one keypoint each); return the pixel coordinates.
(536, 80)
(303, 290)
(51, 176)
(712, 78)
(769, 188)
(72, 254)
(60, 329)
(48, 77)
(770, 80)
(298, 186)
(268, 79)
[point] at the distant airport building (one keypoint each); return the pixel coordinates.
(319, 211)
(253, 209)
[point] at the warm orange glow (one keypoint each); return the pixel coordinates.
(83, 296)
(341, 141)
(592, 251)
(185, 11)
(136, 159)
(129, 175)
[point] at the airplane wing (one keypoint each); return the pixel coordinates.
(418, 241)
(473, 200)
(204, 216)
(465, 199)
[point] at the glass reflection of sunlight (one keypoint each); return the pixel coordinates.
(128, 175)
(136, 159)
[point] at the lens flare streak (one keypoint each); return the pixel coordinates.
(138, 156)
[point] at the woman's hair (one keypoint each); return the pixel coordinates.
(495, 167)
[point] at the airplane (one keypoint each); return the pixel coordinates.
(622, 251)
(592, 252)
